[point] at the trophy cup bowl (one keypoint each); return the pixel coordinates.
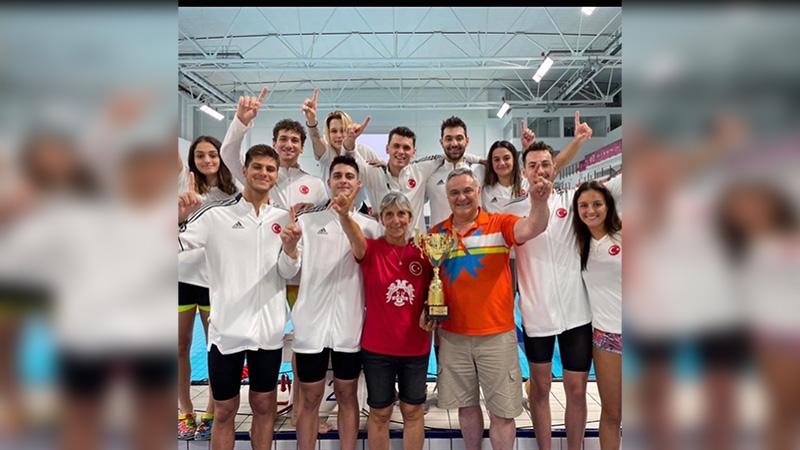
(436, 247)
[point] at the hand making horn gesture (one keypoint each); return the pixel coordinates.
(353, 132)
(342, 203)
(582, 131)
(526, 135)
(248, 107)
(540, 189)
(310, 109)
(291, 235)
(189, 201)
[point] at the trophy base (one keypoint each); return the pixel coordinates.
(438, 312)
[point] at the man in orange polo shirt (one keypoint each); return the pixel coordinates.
(478, 342)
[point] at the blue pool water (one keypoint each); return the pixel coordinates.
(200, 363)
(37, 363)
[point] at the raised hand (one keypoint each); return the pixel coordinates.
(248, 107)
(310, 108)
(291, 235)
(582, 131)
(353, 132)
(540, 189)
(526, 135)
(189, 201)
(343, 203)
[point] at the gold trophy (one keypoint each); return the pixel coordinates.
(436, 247)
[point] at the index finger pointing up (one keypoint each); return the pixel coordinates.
(522, 126)
(577, 118)
(263, 94)
(192, 183)
(316, 94)
(292, 215)
(366, 122)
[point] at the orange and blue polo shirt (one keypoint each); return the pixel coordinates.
(477, 276)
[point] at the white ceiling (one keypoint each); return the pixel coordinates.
(401, 58)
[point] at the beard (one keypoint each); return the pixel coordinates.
(455, 154)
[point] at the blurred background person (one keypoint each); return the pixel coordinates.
(758, 223)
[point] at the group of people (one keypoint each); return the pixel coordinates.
(357, 286)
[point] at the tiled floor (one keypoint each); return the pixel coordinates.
(435, 419)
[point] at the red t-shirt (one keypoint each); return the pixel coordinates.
(396, 283)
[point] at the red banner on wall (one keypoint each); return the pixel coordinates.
(602, 154)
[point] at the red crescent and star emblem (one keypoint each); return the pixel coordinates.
(276, 228)
(561, 212)
(415, 268)
(614, 250)
(304, 189)
(412, 182)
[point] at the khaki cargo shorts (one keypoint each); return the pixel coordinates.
(469, 364)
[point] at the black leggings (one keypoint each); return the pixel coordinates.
(575, 346)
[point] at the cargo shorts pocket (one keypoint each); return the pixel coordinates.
(507, 399)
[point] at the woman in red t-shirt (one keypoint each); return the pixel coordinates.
(396, 339)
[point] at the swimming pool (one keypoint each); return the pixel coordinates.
(37, 363)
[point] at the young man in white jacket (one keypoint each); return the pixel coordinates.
(241, 238)
(329, 312)
(294, 187)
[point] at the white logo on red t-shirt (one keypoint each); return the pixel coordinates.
(276, 228)
(415, 268)
(614, 250)
(561, 212)
(400, 292)
(304, 189)
(411, 183)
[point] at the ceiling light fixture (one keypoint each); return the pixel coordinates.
(503, 109)
(588, 10)
(212, 112)
(546, 64)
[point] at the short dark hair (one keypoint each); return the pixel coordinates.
(405, 132)
(260, 150)
(453, 122)
(343, 159)
(537, 146)
(290, 125)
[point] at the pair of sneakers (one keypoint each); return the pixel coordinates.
(189, 429)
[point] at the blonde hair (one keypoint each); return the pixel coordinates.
(341, 115)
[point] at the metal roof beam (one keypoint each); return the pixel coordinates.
(600, 33)
(488, 106)
(228, 33)
(559, 31)
(367, 60)
(278, 35)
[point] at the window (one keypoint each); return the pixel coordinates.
(616, 121)
(598, 124)
(545, 126)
